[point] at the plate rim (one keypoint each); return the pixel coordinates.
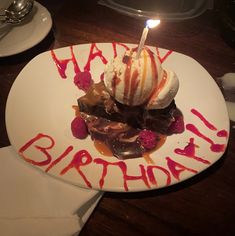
(120, 188)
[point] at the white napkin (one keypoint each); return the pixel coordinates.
(32, 203)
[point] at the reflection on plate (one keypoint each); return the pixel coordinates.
(39, 113)
(27, 34)
(165, 9)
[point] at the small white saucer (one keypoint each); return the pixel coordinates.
(27, 34)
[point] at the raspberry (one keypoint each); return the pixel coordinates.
(148, 139)
(83, 80)
(79, 128)
(177, 126)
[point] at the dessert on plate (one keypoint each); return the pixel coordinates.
(132, 110)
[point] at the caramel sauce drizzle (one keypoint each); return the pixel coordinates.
(76, 109)
(134, 86)
(116, 80)
(159, 87)
(127, 78)
(161, 141)
(102, 148)
(153, 66)
(144, 72)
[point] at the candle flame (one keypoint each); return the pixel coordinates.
(152, 23)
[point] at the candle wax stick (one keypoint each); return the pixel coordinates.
(142, 41)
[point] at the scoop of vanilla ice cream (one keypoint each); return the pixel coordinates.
(140, 81)
(165, 92)
(131, 81)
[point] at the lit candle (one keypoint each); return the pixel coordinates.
(149, 24)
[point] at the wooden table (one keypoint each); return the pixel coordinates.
(202, 205)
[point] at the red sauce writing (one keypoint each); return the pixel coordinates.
(147, 174)
(203, 119)
(61, 64)
(214, 147)
(82, 159)
(189, 151)
(82, 79)
(177, 168)
(162, 59)
(222, 133)
(94, 52)
(114, 44)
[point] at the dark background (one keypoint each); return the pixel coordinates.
(202, 205)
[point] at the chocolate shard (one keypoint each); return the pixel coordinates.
(120, 138)
(118, 126)
(98, 102)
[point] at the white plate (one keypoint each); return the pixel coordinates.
(27, 34)
(40, 102)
